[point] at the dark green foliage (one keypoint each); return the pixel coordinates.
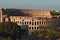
(11, 29)
(2, 38)
(55, 13)
(47, 31)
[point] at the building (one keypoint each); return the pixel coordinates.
(1, 15)
(35, 19)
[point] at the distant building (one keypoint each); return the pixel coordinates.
(1, 15)
(35, 19)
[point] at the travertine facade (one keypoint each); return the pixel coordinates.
(37, 13)
(0, 15)
(34, 22)
(37, 18)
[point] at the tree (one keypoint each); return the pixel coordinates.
(1, 38)
(50, 32)
(55, 13)
(11, 29)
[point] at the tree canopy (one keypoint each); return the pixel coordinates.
(55, 13)
(11, 29)
(47, 31)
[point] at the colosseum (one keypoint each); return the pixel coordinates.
(32, 18)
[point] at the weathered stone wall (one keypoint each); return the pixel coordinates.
(0, 15)
(37, 13)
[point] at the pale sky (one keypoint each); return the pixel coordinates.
(31, 4)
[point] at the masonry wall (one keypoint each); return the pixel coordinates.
(1, 15)
(37, 18)
(37, 13)
(33, 23)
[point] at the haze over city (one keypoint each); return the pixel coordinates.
(31, 4)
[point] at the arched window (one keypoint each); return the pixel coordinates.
(32, 20)
(30, 23)
(45, 17)
(25, 22)
(9, 19)
(40, 22)
(14, 20)
(22, 19)
(35, 23)
(32, 28)
(35, 28)
(29, 27)
(4, 20)
(18, 21)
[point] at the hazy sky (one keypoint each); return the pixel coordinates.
(31, 4)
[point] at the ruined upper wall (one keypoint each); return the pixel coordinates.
(26, 12)
(37, 13)
(29, 11)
